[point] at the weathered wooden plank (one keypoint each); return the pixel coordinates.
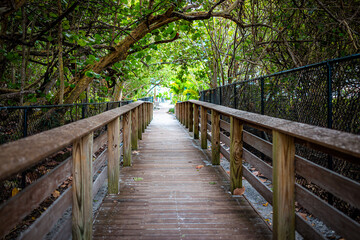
(342, 187)
(203, 127)
(331, 140)
(191, 117)
(140, 116)
(306, 230)
(236, 154)
(99, 181)
(113, 154)
(215, 138)
(46, 221)
(196, 121)
(127, 137)
(14, 210)
(100, 161)
(225, 125)
(342, 224)
(64, 232)
(225, 139)
(224, 152)
(82, 188)
(19, 155)
(259, 164)
(186, 114)
(258, 185)
(134, 129)
(100, 141)
(284, 186)
(263, 146)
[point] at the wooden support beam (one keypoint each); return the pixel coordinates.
(134, 129)
(143, 108)
(191, 117)
(215, 137)
(284, 186)
(140, 116)
(113, 156)
(182, 105)
(82, 188)
(236, 152)
(127, 139)
(186, 110)
(196, 121)
(203, 126)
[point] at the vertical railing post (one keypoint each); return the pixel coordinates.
(140, 122)
(283, 186)
(236, 152)
(191, 116)
(215, 137)
(329, 118)
(134, 129)
(186, 108)
(143, 109)
(82, 188)
(196, 121)
(127, 138)
(182, 113)
(113, 135)
(152, 111)
(203, 125)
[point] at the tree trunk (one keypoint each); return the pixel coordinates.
(119, 86)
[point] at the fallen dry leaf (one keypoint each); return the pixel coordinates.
(266, 204)
(255, 173)
(199, 166)
(239, 191)
(56, 194)
(14, 191)
(262, 179)
(303, 215)
(228, 172)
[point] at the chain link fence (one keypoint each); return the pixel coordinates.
(326, 94)
(19, 122)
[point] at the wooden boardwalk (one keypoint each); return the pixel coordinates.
(164, 196)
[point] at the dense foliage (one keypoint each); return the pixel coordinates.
(58, 51)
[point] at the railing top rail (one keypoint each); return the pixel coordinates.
(335, 142)
(18, 155)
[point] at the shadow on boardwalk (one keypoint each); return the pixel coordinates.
(164, 196)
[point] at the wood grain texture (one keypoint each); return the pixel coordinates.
(100, 141)
(191, 117)
(187, 114)
(82, 188)
(196, 121)
(215, 137)
(174, 200)
(306, 230)
(127, 138)
(14, 210)
(99, 181)
(258, 185)
(338, 221)
(139, 122)
(203, 127)
(284, 186)
(134, 129)
(344, 145)
(19, 155)
(236, 152)
(46, 221)
(143, 108)
(113, 155)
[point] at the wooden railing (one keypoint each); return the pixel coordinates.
(24, 153)
(285, 164)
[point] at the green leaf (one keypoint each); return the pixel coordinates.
(82, 42)
(89, 74)
(148, 58)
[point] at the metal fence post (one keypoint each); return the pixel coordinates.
(220, 95)
(329, 117)
(83, 111)
(262, 96)
(235, 97)
(25, 125)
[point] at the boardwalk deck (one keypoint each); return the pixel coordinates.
(172, 199)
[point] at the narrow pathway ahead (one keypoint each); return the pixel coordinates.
(164, 196)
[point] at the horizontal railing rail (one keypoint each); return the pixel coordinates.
(124, 126)
(285, 164)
